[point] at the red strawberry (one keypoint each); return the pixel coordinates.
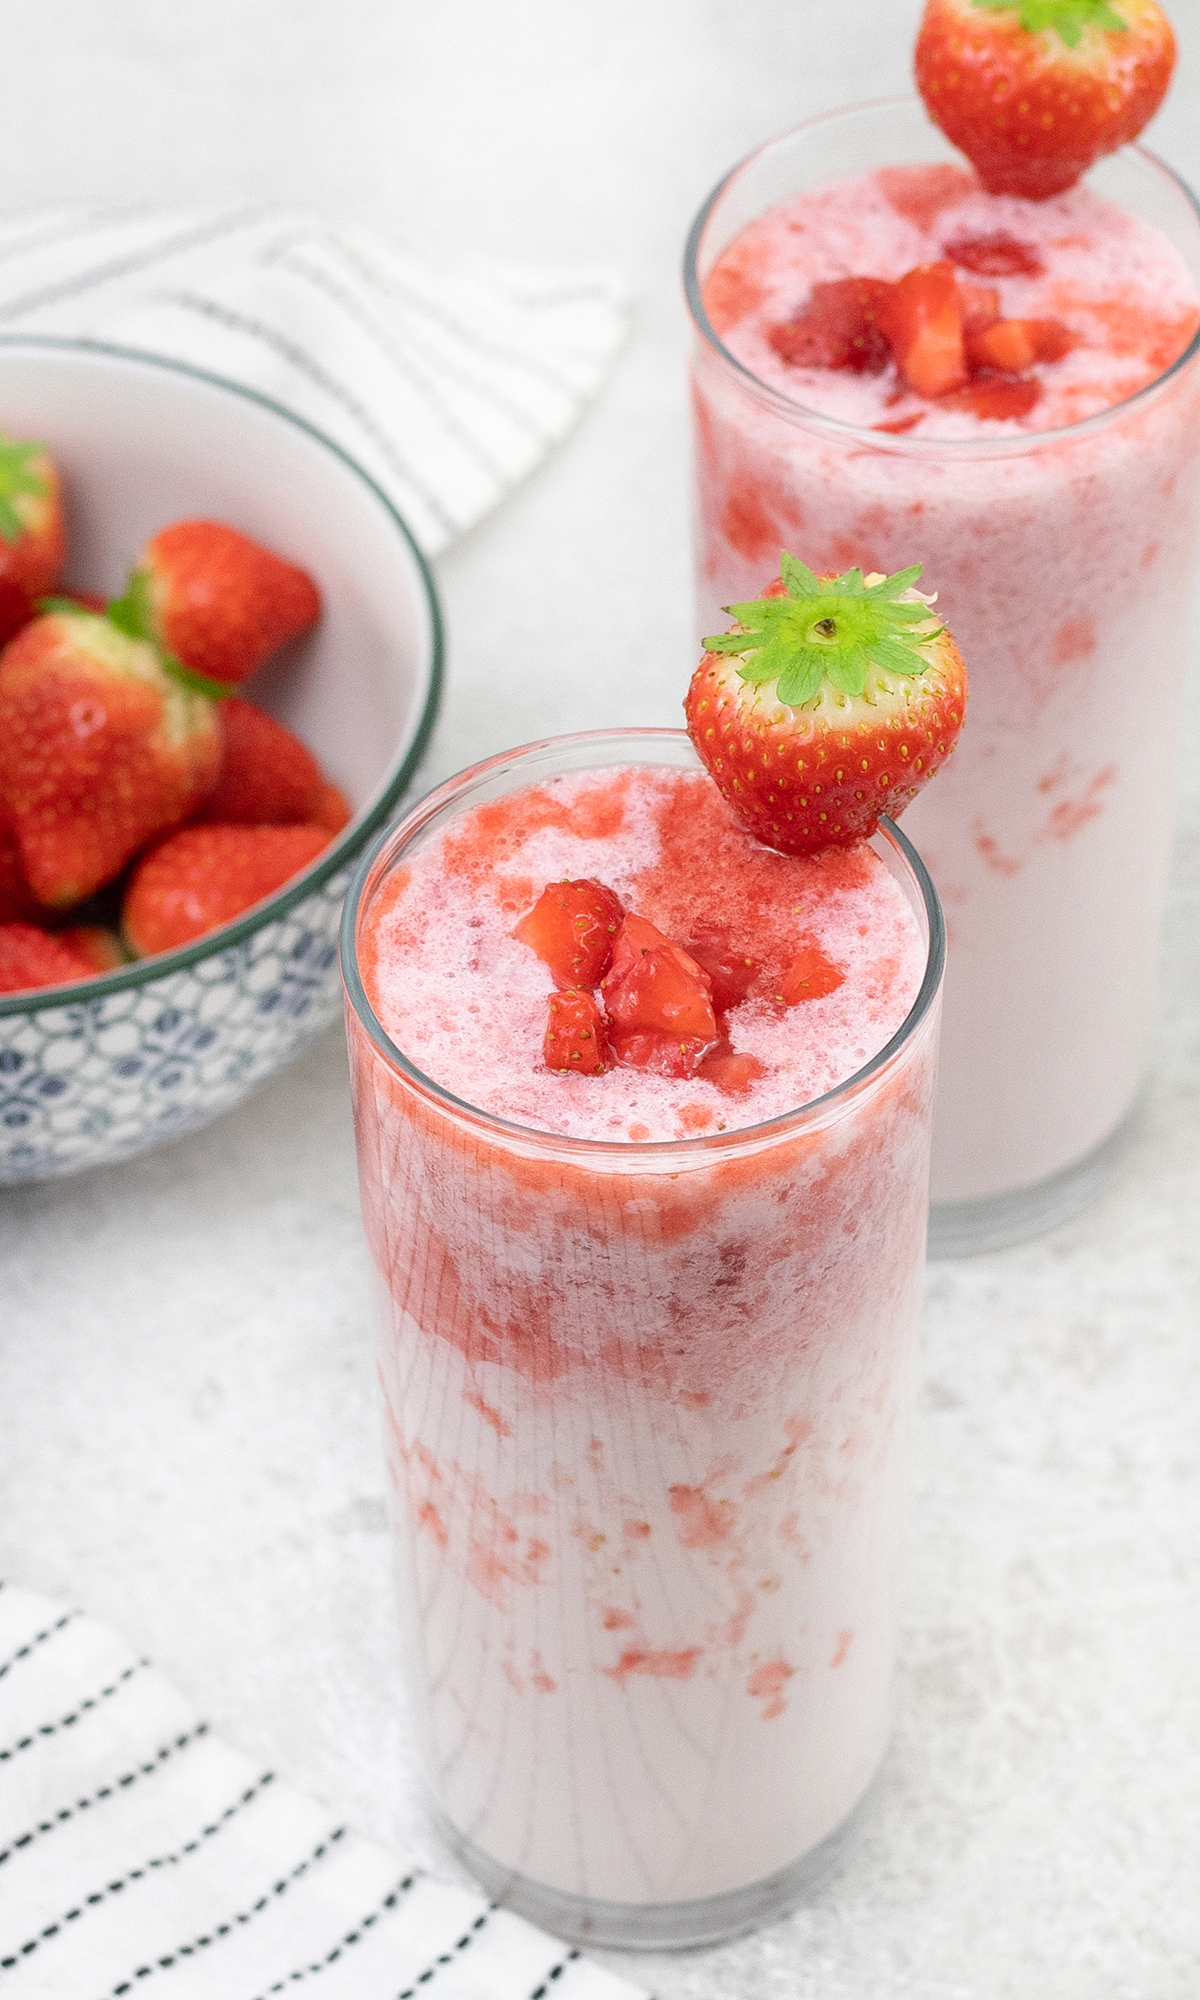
(1034, 91)
(576, 1040)
(31, 957)
(997, 256)
(731, 1071)
(1013, 345)
(659, 1002)
(810, 976)
(922, 318)
(100, 948)
(268, 777)
(730, 971)
(999, 398)
(330, 810)
(219, 602)
(204, 876)
(572, 927)
(33, 544)
(828, 704)
(979, 305)
(100, 749)
(838, 328)
(16, 897)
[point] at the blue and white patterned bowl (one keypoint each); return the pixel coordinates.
(92, 1073)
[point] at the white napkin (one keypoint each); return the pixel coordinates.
(138, 1852)
(447, 384)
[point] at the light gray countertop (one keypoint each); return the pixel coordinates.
(190, 1442)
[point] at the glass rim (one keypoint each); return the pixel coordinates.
(906, 444)
(723, 1145)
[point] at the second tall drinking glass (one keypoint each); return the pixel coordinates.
(1064, 563)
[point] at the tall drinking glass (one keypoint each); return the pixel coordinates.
(646, 1411)
(1064, 564)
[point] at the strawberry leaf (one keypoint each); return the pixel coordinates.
(838, 630)
(16, 477)
(133, 613)
(1067, 18)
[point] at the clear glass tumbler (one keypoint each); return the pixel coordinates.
(646, 1413)
(1064, 563)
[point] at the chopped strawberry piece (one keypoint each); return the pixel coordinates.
(997, 256)
(731, 972)
(31, 957)
(1051, 338)
(1006, 346)
(838, 328)
(575, 1035)
(733, 1072)
(922, 319)
(998, 399)
(979, 304)
(898, 425)
(572, 927)
(810, 976)
(659, 1002)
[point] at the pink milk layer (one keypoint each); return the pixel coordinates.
(467, 1001)
(646, 1412)
(1063, 565)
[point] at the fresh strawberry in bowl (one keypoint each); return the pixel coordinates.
(118, 745)
(830, 703)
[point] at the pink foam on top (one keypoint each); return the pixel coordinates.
(1114, 281)
(467, 1002)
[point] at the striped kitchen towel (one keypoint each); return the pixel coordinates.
(447, 384)
(140, 1853)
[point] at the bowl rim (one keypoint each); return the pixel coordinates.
(341, 850)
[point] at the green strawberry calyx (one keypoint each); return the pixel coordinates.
(134, 614)
(17, 477)
(1067, 18)
(835, 630)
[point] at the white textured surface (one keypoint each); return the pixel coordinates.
(185, 1377)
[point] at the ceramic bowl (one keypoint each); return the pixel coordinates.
(90, 1074)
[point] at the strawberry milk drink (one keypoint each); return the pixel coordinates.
(646, 1337)
(1049, 482)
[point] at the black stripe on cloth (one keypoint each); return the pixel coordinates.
(351, 1938)
(38, 1639)
(121, 267)
(105, 1791)
(218, 1931)
(555, 1972)
(447, 1957)
(304, 364)
(67, 1721)
(87, 1903)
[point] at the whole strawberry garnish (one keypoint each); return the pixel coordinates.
(33, 543)
(100, 749)
(1034, 91)
(204, 876)
(217, 601)
(31, 957)
(268, 777)
(833, 700)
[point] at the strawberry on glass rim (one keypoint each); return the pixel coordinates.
(832, 701)
(1035, 91)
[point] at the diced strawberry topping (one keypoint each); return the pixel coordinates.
(979, 304)
(730, 970)
(810, 976)
(31, 957)
(997, 256)
(572, 927)
(659, 1002)
(999, 397)
(733, 1072)
(1013, 345)
(922, 319)
(575, 1035)
(838, 328)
